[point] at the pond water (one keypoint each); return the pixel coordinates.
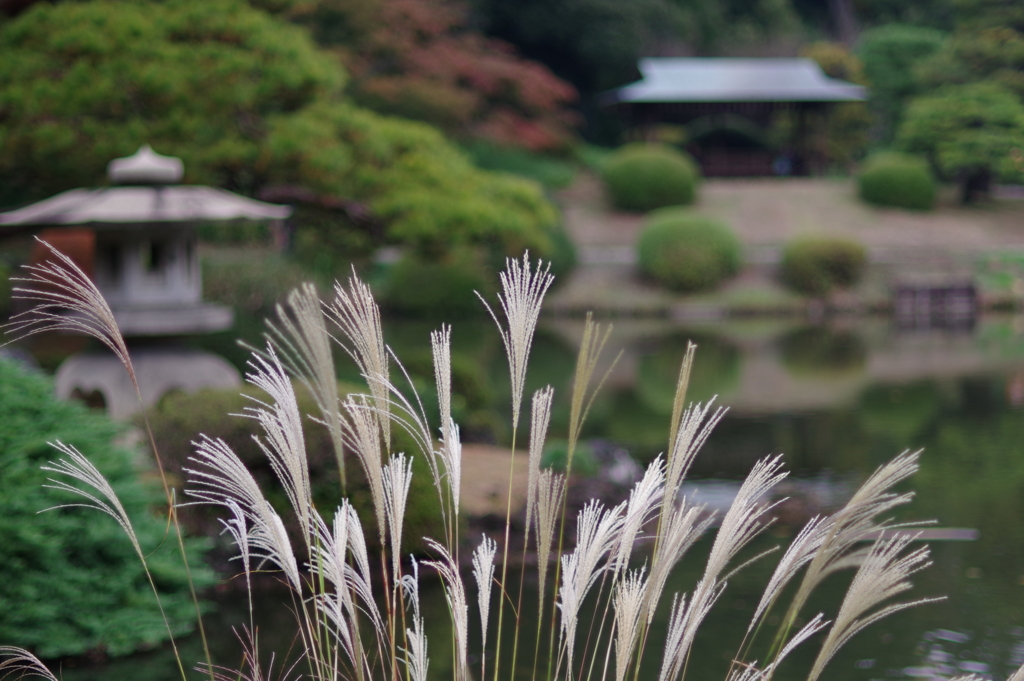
(837, 400)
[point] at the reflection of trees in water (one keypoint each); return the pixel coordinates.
(899, 413)
(821, 351)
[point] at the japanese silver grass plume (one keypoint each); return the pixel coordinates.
(597, 531)
(416, 660)
(523, 293)
(628, 601)
(455, 594)
(23, 663)
(363, 437)
(800, 552)
(451, 446)
(550, 493)
(396, 478)
(78, 467)
(441, 349)
(483, 572)
(852, 524)
(1017, 675)
(283, 442)
(328, 563)
(684, 527)
(586, 364)
(741, 524)
(540, 417)
(65, 299)
(358, 317)
(682, 386)
(694, 428)
(642, 504)
(221, 478)
(883, 575)
(301, 341)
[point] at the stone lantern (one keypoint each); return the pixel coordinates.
(146, 264)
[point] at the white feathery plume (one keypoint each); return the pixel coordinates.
(302, 343)
(23, 663)
(284, 443)
(970, 677)
(643, 501)
(224, 479)
(852, 524)
(694, 428)
(66, 300)
(597, 530)
(741, 524)
(363, 436)
(684, 527)
(451, 457)
(416, 660)
(451, 446)
(550, 492)
(483, 571)
(238, 528)
(682, 385)
(628, 602)
(523, 294)
(357, 315)
(801, 550)
(396, 478)
(358, 574)
(455, 594)
(540, 418)
(1018, 675)
(78, 467)
(882, 575)
(328, 563)
(441, 348)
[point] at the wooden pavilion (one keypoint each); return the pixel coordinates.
(728, 106)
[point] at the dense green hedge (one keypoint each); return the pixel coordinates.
(71, 581)
(897, 180)
(687, 252)
(816, 266)
(642, 177)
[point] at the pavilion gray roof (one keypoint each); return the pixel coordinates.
(735, 80)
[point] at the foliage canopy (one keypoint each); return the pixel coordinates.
(247, 101)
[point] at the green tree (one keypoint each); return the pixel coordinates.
(890, 55)
(969, 132)
(247, 101)
(72, 582)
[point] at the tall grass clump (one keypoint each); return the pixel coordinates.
(357, 613)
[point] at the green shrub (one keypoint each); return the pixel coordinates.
(687, 252)
(550, 171)
(642, 177)
(816, 266)
(897, 180)
(72, 581)
(418, 286)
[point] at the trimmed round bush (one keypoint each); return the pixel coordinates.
(687, 252)
(420, 286)
(642, 177)
(897, 180)
(816, 266)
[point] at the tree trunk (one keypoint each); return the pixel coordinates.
(976, 186)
